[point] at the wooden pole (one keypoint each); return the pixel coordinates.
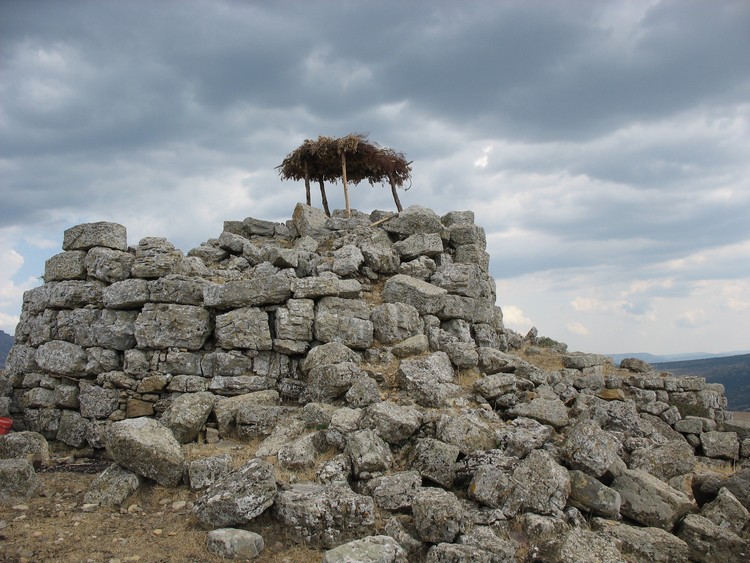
(395, 194)
(346, 189)
(307, 186)
(323, 197)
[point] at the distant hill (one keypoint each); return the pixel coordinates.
(655, 359)
(733, 372)
(6, 341)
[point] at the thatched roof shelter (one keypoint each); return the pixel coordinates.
(352, 158)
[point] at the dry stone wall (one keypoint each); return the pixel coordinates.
(370, 350)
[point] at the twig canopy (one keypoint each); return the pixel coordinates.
(352, 158)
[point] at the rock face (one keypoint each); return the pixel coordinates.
(365, 360)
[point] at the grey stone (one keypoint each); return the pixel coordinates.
(369, 454)
(18, 481)
(155, 257)
(112, 487)
(590, 495)
(420, 268)
(721, 445)
(257, 291)
(294, 321)
(726, 511)
(325, 285)
(521, 436)
(435, 460)
(245, 328)
(237, 497)
(547, 411)
(459, 279)
(635, 365)
(709, 543)
(425, 297)
(97, 402)
(394, 492)
(231, 543)
(650, 501)
(589, 448)
(324, 515)
(413, 220)
(148, 448)
(310, 221)
(469, 432)
(331, 381)
(187, 415)
(582, 546)
(438, 515)
(300, 453)
(177, 289)
(455, 553)
(89, 235)
(62, 358)
(643, 544)
(364, 391)
(345, 321)
(25, 445)
(126, 294)
(68, 265)
(380, 258)
(226, 410)
(170, 325)
(490, 486)
(580, 360)
(664, 461)
(540, 485)
(419, 244)
(207, 470)
(394, 322)
(347, 260)
(109, 265)
(371, 549)
(501, 550)
(393, 423)
(73, 429)
(428, 380)
(495, 385)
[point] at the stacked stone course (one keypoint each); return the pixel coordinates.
(375, 336)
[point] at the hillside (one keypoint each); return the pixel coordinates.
(6, 341)
(733, 372)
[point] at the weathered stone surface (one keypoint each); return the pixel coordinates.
(89, 235)
(540, 485)
(324, 515)
(469, 432)
(394, 492)
(109, 265)
(207, 470)
(438, 515)
(495, 385)
(523, 435)
(419, 244)
(148, 448)
(187, 415)
(231, 543)
(62, 358)
(345, 321)
(177, 289)
(722, 445)
(665, 461)
(227, 410)
(589, 448)
(18, 481)
(259, 290)
(170, 325)
(490, 486)
(331, 381)
(482, 537)
(364, 391)
(412, 346)
(347, 260)
(582, 546)
(237, 497)
(547, 411)
(155, 257)
(300, 453)
(393, 423)
(126, 294)
(650, 501)
(435, 460)
(68, 265)
(394, 322)
(428, 380)
(426, 298)
(115, 329)
(459, 279)
(643, 544)
(73, 428)
(589, 494)
(413, 220)
(580, 360)
(25, 445)
(310, 221)
(381, 258)
(98, 402)
(371, 549)
(709, 543)
(112, 487)
(325, 285)
(726, 511)
(455, 553)
(368, 452)
(294, 321)
(245, 328)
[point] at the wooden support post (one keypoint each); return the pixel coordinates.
(346, 189)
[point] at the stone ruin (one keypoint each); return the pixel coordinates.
(368, 354)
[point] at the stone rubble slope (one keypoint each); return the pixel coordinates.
(391, 414)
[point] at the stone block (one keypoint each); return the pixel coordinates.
(89, 235)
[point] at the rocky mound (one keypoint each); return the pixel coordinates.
(387, 413)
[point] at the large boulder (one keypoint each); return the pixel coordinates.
(643, 544)
(148, 448)
(425, 297)
(112, 487)
(428, 380)
(238, 497)
(18, 481)
(371, 549)
(187, 415)
(25, 445)
(540, 485)
(438, 515)
(172, 326)
(89, 235)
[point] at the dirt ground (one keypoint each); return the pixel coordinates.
(155, 525)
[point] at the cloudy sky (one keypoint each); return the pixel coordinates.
(603, 146)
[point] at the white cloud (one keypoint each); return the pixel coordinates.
(514, 318)
(691, 319)
(11, 292)
(577, 328)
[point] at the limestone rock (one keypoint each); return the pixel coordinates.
(187, 414)
(722, 445)
(368, 452)
(547, 411)
(68, 265)
(589, 448)
(428, 380)
(523, 435)
(643, 544)
(414, 220)
(148, 448)
(112, 487)
(347, 260)
(62, 358)
(426, 298)
(435, 460)
(231, 543)
(237, 497)
(438, 515)
(370, 549)
(89, 235)
(245, 328)
(709, 543)
(589, 494)
(171, 325)
(324, 515)
(394, 492)
(726, 511)
(393, 423)
(665, 461)
(109, 265)
(207, 470)
(260, 290)
(540, 485)
(394, 322)
(155, 257)
(455, 553)
(18, 481)
(25, 445)
(650, 501)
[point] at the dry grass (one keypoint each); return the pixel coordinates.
(466, 378)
